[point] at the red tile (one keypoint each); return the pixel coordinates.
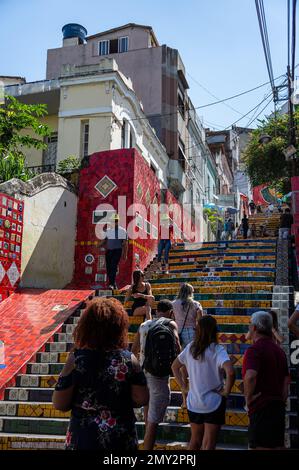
(27, 321)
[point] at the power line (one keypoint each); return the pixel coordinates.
(293, 38)
(265, 40)
(260, 112)
(205, 105)
(263, 100)
(288, 30)
(214, 96)
(231, 125)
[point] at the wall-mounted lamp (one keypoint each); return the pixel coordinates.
(265, 139)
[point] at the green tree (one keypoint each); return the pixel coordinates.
(17, 121)
(212, 216)
(68, 164)
(266, 163)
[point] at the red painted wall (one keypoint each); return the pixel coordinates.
(129, 175)
(132, 178)
(11, 233)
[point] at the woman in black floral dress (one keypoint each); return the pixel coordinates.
(101, 382)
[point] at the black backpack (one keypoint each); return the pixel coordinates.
(160, 348)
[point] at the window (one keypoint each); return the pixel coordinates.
(139, 221)
(147, 227)
(182, 157)
(123, 44)
(84, 138)
(103, 47)
(181, 103)
(113, 49)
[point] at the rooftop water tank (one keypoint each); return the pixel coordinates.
(74, 30)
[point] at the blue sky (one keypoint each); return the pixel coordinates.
(218, 40)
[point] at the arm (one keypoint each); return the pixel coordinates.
(62, 399)
(149, 292)
(136, 345)
(249, 386)
(180, 373)
(128, 294)
(279, 338)
(176, 335)
(292, 323)
(139, 393)
(230, 378)
(199, 313)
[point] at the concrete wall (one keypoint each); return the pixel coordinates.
(49, 238)
(49, 229)
(137, 38)
(143, 66)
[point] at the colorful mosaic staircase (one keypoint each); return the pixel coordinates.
(231, 280)
(269, 222)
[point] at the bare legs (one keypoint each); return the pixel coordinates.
(145, 311)
(150, 436)
(203, 436)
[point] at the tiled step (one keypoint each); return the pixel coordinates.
(67, 346)
(234, 271)
(170, 431)
(246, 289)
(230, 249)
(177, 432)
(25, 442)
(210, 280)
(253, 241)
(213, 296)
(230, 260)
(46, 410)
(231, 304)
(222, 328)
(174, 283)
(222, 269)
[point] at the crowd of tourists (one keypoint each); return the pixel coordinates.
(104, 380)
(248, 229)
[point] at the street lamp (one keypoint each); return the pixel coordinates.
(265, 139)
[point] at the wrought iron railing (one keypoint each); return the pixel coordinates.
(37, 170)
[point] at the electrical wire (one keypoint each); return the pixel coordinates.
(293, 38)
(288, 31)
(265, 40)
(211, 94)
(250, 111)
(205, 105)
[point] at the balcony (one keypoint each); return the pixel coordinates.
(176, 176)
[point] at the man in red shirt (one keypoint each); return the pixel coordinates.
(266, 380)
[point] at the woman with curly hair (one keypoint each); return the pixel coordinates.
(101, 382)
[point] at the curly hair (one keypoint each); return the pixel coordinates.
(103, 326)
